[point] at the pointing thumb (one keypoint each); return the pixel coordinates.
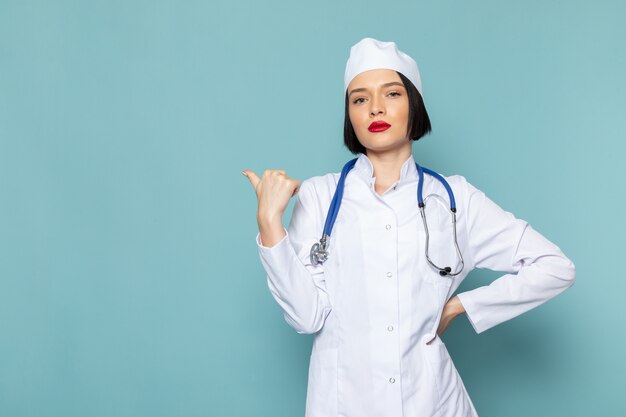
(254, 180)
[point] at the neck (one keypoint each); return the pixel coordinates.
(387, 164)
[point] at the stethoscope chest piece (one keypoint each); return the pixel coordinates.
(319, 251)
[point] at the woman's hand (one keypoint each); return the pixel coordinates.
(451, 310)
(273, 191)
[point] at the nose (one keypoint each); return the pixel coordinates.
(376, 106)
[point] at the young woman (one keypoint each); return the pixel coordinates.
(377, 289)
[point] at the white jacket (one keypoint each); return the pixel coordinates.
(376, 301)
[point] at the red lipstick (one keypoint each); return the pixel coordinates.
(378, 126)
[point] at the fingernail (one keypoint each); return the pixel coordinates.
(244, 173)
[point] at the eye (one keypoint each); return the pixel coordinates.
(394, 92)
(357, 100)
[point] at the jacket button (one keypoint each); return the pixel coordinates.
(392, 380)
(389, 274)
(388, 226)
(390, 328)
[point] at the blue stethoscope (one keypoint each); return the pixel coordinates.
(319, 250)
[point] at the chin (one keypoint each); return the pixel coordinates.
(382, 148)
(384, 144)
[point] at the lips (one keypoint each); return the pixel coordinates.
(378, 126)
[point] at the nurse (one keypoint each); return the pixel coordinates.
(376, 306)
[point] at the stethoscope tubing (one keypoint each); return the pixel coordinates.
(319, 252)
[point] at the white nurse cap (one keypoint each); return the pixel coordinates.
(369, 54)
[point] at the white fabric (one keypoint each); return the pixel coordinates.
(376, 302)
(369, 54)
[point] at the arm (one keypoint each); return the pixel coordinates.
(297, 286)
(536, 268)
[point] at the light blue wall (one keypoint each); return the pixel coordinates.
(130, 283)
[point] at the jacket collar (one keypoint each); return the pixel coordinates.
(364, 169)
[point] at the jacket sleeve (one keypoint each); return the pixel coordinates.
(537, 270)
(297, 286)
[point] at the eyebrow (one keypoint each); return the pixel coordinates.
(383, 86)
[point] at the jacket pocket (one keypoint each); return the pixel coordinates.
(442, 371)
(452, 398)
(321, 400)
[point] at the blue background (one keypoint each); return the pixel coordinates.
(130, 283)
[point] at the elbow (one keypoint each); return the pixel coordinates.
(571, 275)
(567, 274)
(304, 327)
(308, 330)
(311, 323)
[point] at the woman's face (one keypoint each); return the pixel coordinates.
(379, 96)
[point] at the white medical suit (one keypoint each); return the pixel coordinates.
(376, 302)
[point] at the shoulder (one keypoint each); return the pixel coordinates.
(460, 184)
(456, 180)
(320, 188)
(467, 196)
(477, 206)
(315, 194)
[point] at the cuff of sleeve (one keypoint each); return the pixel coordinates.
(471, 311)
(274, 248)
(277, 259)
